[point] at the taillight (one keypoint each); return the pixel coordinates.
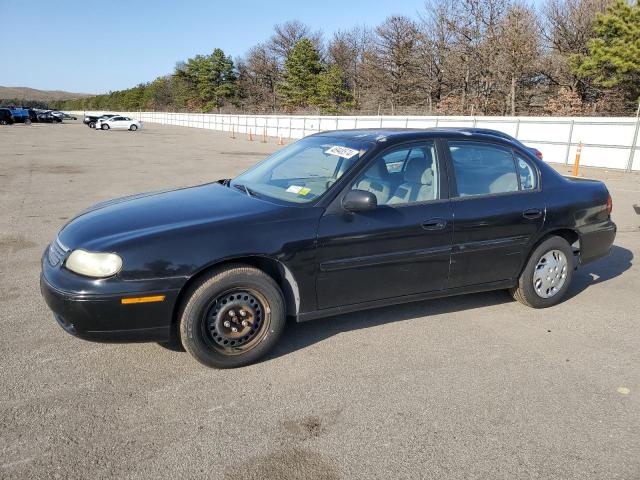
(609, 205)
(539, 154)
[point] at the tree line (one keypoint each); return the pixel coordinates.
(457, 57)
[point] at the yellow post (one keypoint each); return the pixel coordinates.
(264, 135)
(576, 164)
(280, 142)
(250, 135)
(233, 132)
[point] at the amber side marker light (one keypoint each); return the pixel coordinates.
(155, 298)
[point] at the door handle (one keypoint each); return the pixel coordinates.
(434, 224)
(532, 213)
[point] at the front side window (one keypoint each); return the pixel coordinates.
(304, 170)
(482, 168)
(414, 180)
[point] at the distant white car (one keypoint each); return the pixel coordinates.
(118, 123)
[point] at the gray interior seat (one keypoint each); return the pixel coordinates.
(504, 183)
(376, 181)
(418, 179)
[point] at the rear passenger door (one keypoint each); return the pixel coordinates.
(498, 208)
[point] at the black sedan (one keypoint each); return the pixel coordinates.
(48, 117)
(336, 222)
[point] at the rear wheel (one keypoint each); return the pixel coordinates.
(104, 126)
(232, 317)
(547, 275)
(3, 122)
(92, 124)
(133, 128)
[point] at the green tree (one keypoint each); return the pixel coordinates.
(613, 60)
(207, 81)
(334, 95)
(302, 68)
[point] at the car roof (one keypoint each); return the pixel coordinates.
(395, 135)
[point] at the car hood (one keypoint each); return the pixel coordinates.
(112, 222)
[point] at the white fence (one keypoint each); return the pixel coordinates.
(606, 142)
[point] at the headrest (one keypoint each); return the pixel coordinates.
(418, 169)
(378, 170)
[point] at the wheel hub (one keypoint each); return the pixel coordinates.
(235, 319)
(550, 273)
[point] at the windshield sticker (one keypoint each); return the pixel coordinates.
(344, 152)
(298, 190)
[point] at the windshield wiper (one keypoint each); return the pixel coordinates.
(246, 189)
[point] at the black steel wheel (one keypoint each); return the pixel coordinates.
(232, 317)
(236, 321)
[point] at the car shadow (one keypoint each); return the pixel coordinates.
(619, 261)
(301, 335)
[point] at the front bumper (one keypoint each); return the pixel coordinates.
(104, 318)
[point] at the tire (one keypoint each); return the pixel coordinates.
(27, 122)
(3, 122)
(542, 291)
(214, 302)
(133, 128)
(104, 126)
(92, 124)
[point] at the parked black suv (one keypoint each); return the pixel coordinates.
(6, 117)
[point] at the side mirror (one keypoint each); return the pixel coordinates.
(359, 200)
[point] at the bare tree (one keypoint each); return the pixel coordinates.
(519, 48)
(347, 49)
(567, 28)
(258, 75)
(287, 34)
(392, 65)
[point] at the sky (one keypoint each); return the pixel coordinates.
(98, 46)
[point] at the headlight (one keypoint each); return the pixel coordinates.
(93, 264)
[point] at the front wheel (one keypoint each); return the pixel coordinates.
(104, 126)
(92, 124)
(133, 128)
(3, 122)
(547, 275)
(232, 317)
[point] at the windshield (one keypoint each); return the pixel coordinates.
(302, 171)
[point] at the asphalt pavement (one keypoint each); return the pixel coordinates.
(469, 387)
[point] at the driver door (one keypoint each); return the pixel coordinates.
(400, 248)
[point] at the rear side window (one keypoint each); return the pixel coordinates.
(483, 169)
